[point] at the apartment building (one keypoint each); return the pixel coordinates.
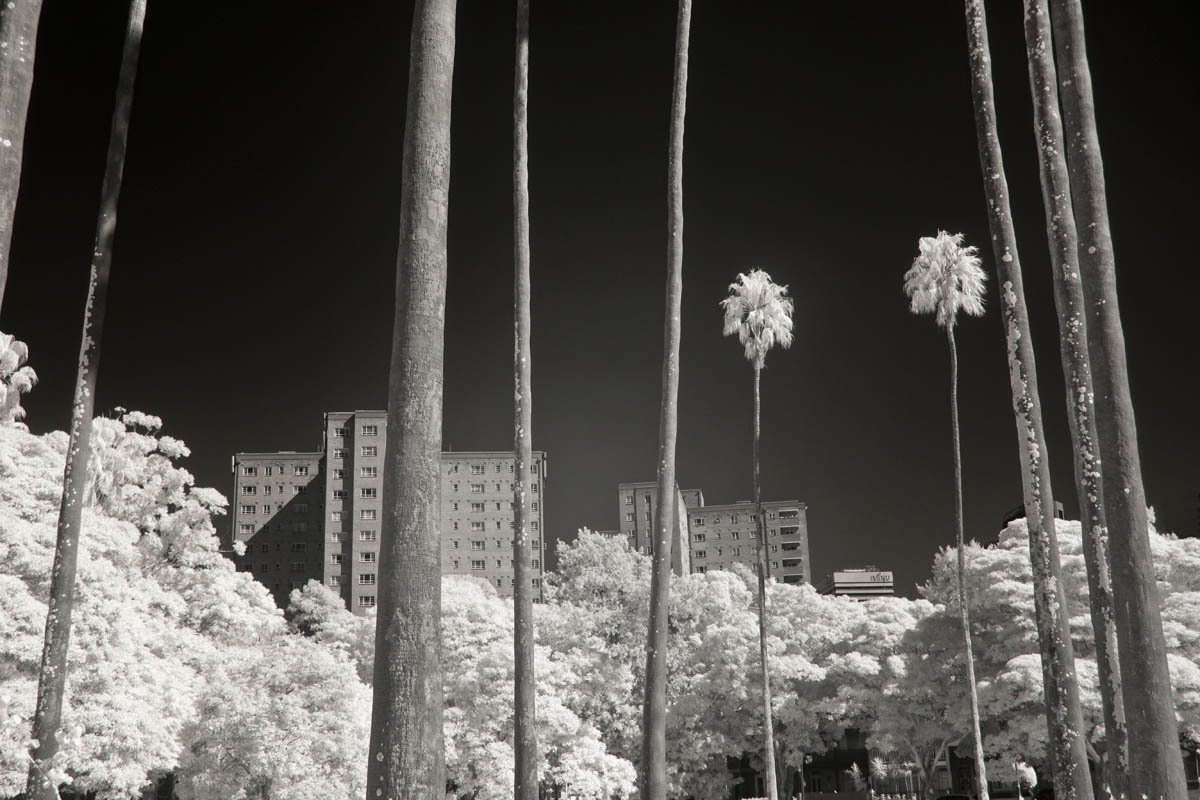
(724, 535)
(277, 511)
(637, 504)
(327, 514)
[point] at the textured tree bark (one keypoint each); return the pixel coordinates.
(52, 677)
(763, 571)
(525, 775)
(407, 760)
(1155, 766)
(18, 41)
(654, 708)
(1068, 300)
(1064, 718)
(964, 610)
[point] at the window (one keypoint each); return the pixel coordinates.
(335, 516)
(534, 506)
(477, 544)
(648, 516)
(535, 542)
(697, 537)
(698, 522)
(266, 488)
(337, 536)
(366, 536)
(477, 469)
(300, 508)
(339, 494)
(366, 579)
(455, 506)
(477, 525)
(770, 515)
(267, 471)
(339, 433)
(774, 565)
(477, 508)
(754, 517)
(455, 544)
(339, 452)
(533, 468)
(537, 582)
(370, 430)
(335, 558)
(300, 470)
(368, 472)
(478, 563)
(476, 488)
(733, 517)
(246, 528)
(264, 567)
(249, 490)
(537, 564)
(249, 509)
(367, 514)
(266, 548)
(300, 527)
(366, 601)
(297, 566)
(367, 558)
(369, 451)
(498, 487)
(369, 493)
(456, 563)
(629, 516)
(735, 535)
(339, 474)
(701, 570)
(628, 499)
(298, 547)
(249, 472)
(297, 489)
(774, 548)
(534, 486)
(701, 554)
(335, 581)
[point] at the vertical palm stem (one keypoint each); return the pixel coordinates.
(52, 676)
(763, 570)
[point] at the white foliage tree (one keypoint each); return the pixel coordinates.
(16, 378)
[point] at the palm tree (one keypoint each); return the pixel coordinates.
(1069, 302)
(18, 40)
(945, 278)
(1155, 767)
(1058, 677)
(52, 677)
(654, 707)
(760, 313)
(525, 773)
(407, 761)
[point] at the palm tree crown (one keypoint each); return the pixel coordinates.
(945, 277)
(759, 311)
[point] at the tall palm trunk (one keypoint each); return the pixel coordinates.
(525, 774)
(407, 760)
(964, 611)
(1073, 338)
(18, 40)
(1064, 718)
(763, 571)
(52, 677)
(654, 709)
(1156, 770)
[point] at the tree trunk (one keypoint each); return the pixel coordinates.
(654, 708)
(1064, 719)
(763, 571)
(1068, 300)
(525, 775)
(52, 677)
(18, 41)
(981, 790)
(407, 760)
(1156, 771)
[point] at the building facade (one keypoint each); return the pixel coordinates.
(331, 529)
(724, 535)
(861, 583)
(637, 504)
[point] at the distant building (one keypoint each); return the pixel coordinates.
(323, 511)
(1019, 513)
(638, 502)
(717, 537)
(861, 583)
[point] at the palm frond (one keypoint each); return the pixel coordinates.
(759, 311)
(945, 278)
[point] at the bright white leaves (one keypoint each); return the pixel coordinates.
(945, 278)
(16, 379)
(759, 311)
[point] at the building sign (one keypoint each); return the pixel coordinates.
(873, 577)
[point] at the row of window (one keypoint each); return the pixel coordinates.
(363, 536)
(366, 557)
(363, 472)
(251, 472)
(481, 563)
(481, 469)
(365, 430)
(366, 451)
(700, 570)
(246, 508)
(480, 488)
(737, 551)
(252, 489)
(296, 566)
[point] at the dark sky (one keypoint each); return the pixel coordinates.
(256, 246)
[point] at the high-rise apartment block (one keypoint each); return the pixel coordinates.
(717, 537)
(326, 516)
